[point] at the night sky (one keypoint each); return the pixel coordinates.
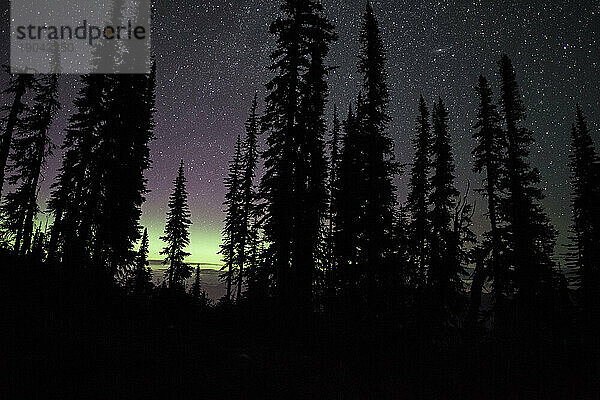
(212, 56)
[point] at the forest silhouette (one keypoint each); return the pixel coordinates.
(334, 287)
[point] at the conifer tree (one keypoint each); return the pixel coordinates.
(101, 186)
(230, 249)
(489, 156)
(177, 236)
(444, 269)
(248, 193)
(380, 166)
(293, 184)
(76, 192)
(348, 203)
(123, 157)
(196, 291)
(418, 197)
(334, 165)
(586, 217)
(531, 238)
(142, 273)
(31, 148)
(18, 86)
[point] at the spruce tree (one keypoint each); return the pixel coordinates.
(444, 271)
(380, 166)
(31, 148)
(230, 249)
(18, 86)
(248, 193)
(418, 197)
(334, 165)
(76, 192)
(142, 273)
(489, 156)
(196, 291)
(100, 189)
(348, 203)
(177, 236)
(586, 217)
(293, 184)
(531, 238)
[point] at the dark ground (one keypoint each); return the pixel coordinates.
(64, 337)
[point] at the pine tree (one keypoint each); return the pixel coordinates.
(142, 273)
(489, 156)
(530, 236)
(444, 271)
(418, 197)
(230, 249)
(293, 184)
(18, 86)
(177, 236)
(586, 217)
(31, 148)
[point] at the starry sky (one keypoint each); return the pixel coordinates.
(212, 56)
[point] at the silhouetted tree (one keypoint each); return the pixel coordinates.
(198, 294)
(329, 280)
(418, 197)
(248, 193)
(142, 273)
(295, 169)
(586, 217)
(177, 236)
(30, 149)
(348, 203)
(529, 233)
(232, 232)
(489, 156)
(444, 270)
(122, 158)
(100, 189)
(18, 86)
(380, 166)
(76, 192)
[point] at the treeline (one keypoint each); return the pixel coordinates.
(333, 236)
(322, 230)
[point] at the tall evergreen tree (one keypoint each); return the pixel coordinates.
(230, 249)
(293, 184)
(585, 183)
(444, 271)
(18, 86)
(76, 192)
(489, 156)
(248, 193)
(177, 236)
(31, 147)
(101, 186)
(334, 164)
(380, 166)
(418, 197)
(530, 236)
(348, 203)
